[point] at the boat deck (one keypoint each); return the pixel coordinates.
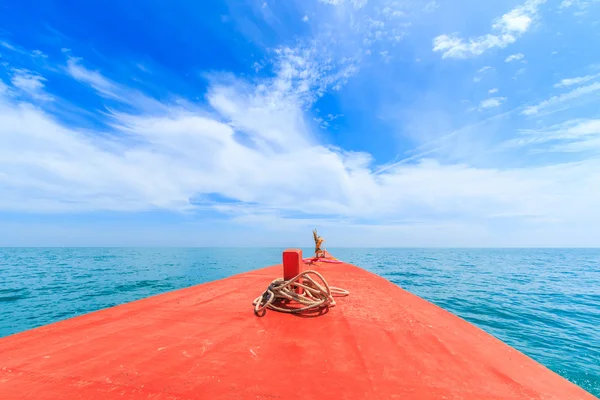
(204, 342)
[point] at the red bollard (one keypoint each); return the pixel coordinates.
(292, 261)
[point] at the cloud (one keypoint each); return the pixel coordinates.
(354, 3)
(259, 153)
(482, 71)
(268, 118)
(575, 81)
(109, 89)
(431, 6)
(93, 78)
(304, 73)
(578, 135)
(386, 57)
(305, 19)
(30, 83)
(38, 54)
(491, 103)
(584, 128)
(520, 71)
(563, 98)
(389, 12)
(514, 57)
(8, 46)
(492, 91)
(582, 5)
(573, 129)
(12, 47)
(353, 29)
(142, 68)
(506, 30)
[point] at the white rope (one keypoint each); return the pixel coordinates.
(314, 294)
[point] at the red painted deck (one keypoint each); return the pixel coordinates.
(204, 342)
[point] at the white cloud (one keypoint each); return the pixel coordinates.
(573, 129)
(269, 115)
(577, 135)
(520, 71)
(515, 57)
(304, 73)
(575, 81)
(348, 31)
(588, 145)
(386, 57)
(39, 54)
(305, 19)
(109, 89)
(30, 83)
(581, 5)
(390, 12)
(13, 48)
(563, 98)
(431, 6)
(354, 3)
(48, 167)
(262, 153)
(482, 71)
(506, 30)
(101, 84)
(8, 46)
(492, 91)
(491, 102)
(582, 128)
(257, 66)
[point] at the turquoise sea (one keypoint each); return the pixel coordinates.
(545, 303)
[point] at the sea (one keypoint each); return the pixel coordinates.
(543, 302)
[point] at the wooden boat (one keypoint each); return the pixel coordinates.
(205, 342)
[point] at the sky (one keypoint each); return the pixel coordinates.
(394, 123)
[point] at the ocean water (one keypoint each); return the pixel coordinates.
(545, 303)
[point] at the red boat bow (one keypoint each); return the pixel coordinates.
(204, 342)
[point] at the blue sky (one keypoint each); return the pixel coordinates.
(391, 123)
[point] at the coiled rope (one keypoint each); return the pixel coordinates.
(314, 295)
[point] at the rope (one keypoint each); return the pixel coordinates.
(315, 295)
